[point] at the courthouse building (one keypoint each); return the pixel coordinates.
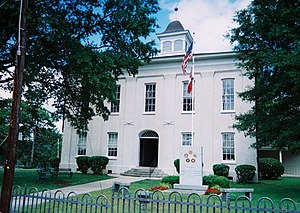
(153, 117)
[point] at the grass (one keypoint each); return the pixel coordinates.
(285, 187)
(30, 178)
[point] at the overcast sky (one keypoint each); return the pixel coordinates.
(208, 19)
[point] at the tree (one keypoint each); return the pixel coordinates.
(76, 49)
(267, 42)
(39, 134)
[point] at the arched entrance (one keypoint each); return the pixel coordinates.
(149, 149)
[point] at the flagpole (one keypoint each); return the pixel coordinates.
(193, 92)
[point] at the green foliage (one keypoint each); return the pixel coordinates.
(83, 163)
(177, 165)
(98, 163)
(268, 49)
(270, 168)
(245, 173)
(221, 169)
(64, 61)
(214, 180)
(209, 180)
(39, 134)
(170, 180)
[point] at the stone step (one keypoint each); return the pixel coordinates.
(144, 172)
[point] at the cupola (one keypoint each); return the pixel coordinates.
(175, 39)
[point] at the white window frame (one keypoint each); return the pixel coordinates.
(186, 139)
(115, 108)
(187, 105)
(228, 146)
(150, 98)
(228, 93)
(112, 144)
(81, 144)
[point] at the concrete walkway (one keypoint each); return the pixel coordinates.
(98, 185)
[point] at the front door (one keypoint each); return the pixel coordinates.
(148, 152)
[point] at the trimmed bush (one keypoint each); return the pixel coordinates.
(214, 180)
(98, 163)
(209, 180)
(83, 164)
(222, 181)
(170, 180)
(221, 169)
(270, 168)
(177, 165)
(245, 173)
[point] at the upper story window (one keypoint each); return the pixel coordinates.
(228, 146)
(167, 46)
(150, 97)
(112, 144)
(228, 94)
(187, 105)
(186, 139)
(178, 44)
(81, 145)
(115, 108)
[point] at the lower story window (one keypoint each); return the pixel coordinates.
(112, 144)
(186, 139)
(228, 146)
(81, 145)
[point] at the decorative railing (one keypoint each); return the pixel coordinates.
(141, 201)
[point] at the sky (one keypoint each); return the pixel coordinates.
(208, 19)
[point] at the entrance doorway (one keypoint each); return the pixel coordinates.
(149, 149)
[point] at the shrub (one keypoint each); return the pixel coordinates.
(245, 173)
(171, 180)
(213, 180)
(209, 180)
(221, 169)
(83, 164)
(177, 165)
(270, 168)
(222, 181)
(98, 163)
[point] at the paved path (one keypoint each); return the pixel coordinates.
(98, 185)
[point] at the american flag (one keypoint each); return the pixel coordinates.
(190, 85)
(188, 55)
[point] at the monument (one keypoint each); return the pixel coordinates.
(191, 175)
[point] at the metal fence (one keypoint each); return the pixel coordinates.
(140, 201)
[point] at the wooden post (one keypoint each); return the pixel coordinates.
(9, 167)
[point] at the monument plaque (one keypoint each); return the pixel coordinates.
(190, 168)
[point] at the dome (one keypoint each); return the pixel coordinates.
(174, 26)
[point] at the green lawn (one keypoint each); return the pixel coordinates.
(284, 187)
(30, 177)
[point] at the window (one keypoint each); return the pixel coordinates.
(186, 139)
(81, 145)
(112, 144)
(167, 46)
(186, 98)
(228, 146)
(150, 98)
(115, 108)
(178, 45)
(228, 94)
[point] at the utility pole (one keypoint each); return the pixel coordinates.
(9, 167)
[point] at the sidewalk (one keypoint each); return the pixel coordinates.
(98, 185)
